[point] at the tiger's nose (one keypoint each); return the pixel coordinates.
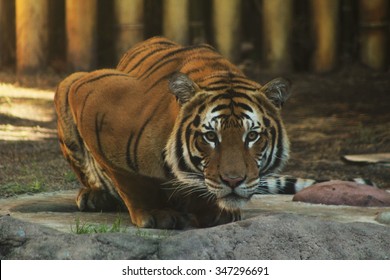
(232, 181)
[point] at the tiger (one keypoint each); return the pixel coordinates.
(177, 135)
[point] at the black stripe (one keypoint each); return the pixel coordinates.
(238, 87)
(201, 109)
(179, 147)
(129, 162)
(98, 78)
(79, 140)
(245, 116)
(279, 154)
(290, 186)
(243, 106)
(137, 142)
(243, 80)
(220, 108)
(266, 121)
(134, 52)
(72, 146)
(158, 62)
(151, 71)
(194, 159)
(269, 159)
(196, 121)
(163, 78)
(207, 58)
(278, 186)
(230, 95)
(167, 169)
(179, 152)
(147, 55)
(224, 75)
(217, 82)
(83, 106)
(225, 87)
(98, 129)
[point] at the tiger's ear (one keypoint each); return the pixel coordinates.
(182, 87)
(278, 91)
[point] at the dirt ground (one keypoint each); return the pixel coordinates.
(346, 112)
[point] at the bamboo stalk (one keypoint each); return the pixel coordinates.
(325, 20)
(129, 16)
(31, 35)
(81, 31)
(227, 24)
(277, 29)
(176, 20)
(7, 34)
(374, 33)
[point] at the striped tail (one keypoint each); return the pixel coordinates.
(285, 184)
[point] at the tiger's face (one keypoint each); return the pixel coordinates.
(225, 142)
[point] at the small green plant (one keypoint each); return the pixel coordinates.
(86, 228)
(36, 186)
(14, 188)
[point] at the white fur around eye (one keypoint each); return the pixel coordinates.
(251, 137)
(211, 137)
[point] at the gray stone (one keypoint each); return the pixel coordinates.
(283, 236)
(23, 240)
(277, 236)
(384, 217)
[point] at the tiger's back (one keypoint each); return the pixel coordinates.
(154, 61)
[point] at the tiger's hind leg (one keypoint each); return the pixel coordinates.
(98, 192)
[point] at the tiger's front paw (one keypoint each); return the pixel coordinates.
(96, 200)
(162, 219)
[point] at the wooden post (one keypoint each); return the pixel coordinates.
(277, 28)
(374, 33)
(31, 35)
(7, 32)
(227, 25)
(81, 31)
(176, 20)
(325, 20)
(129, 16)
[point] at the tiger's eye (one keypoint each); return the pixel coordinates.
(252, 136)
(211, 136)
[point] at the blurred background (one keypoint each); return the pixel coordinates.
(277, 35)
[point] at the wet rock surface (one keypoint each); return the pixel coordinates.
(274, 227)
(344, 193)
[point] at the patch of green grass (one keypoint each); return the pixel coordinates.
(86, 228)
(14, 188)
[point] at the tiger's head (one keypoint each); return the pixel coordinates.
(227, 137)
